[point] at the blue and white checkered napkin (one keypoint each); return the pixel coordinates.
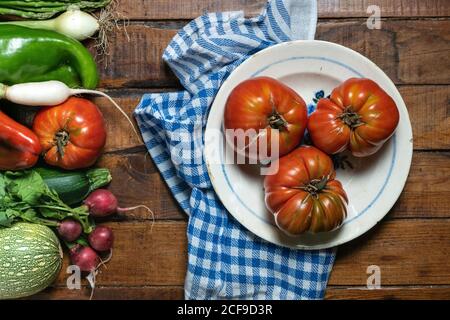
(225, 260)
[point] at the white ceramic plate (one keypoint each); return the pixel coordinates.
(374, 183)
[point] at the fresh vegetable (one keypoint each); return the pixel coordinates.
(304, 195)
(69, 230)
(102, 203)
(30, 259)
(359, 116)
(49, 93)
(24, 196)
(265, 104)
(44, 9)
(101, 239)
(31, 55)
(85, 258)
(73, 23)
(19, 146)
(74, 186)
(72, 134)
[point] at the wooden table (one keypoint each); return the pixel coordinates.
(412, 243)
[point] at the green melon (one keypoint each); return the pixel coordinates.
(30, 259)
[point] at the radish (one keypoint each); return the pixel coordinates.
(88, 261)
(49, 93)
(101, 239)
(85, 258)
(102, 203)
(69, 230)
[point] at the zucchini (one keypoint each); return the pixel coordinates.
(30, 259)
(74, 186)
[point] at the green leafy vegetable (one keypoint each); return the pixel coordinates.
(28, 186)
(24, 196)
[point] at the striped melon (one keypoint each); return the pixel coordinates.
(30, 259)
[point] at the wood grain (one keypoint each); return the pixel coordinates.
(144, 254)
(429, 112)
(113, 293)
(388, 293)
(137, 181)
(145, 257)
(408, 252)
(396, 48)
(426, 190)
(189, 9)
(177, 293)
(425, 194)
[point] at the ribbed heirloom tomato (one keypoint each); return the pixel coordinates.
(359, 116)
(72, 134)
(303, 195)
(265, 104)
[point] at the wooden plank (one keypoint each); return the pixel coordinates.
(426, 191)
(407, 50)
(409, 252)
(177, 293)
(189, 9)
(144, 254)
(427, 106)
(389, 8)
(136, 181)
(403, 293)
(113, 293)
(400, 48)
(425, 194)
(135, 58)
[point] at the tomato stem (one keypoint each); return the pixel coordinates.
(276, 120)
(61, 140)
(315, 186)
(351, 118)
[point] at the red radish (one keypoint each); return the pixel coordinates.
(69, 230)
(101, 239)
(85, 258)
(102, 203)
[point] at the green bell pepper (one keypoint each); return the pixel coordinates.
(33, 55)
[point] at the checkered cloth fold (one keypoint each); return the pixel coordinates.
(225, 260)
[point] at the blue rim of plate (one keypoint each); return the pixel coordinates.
(394, 153)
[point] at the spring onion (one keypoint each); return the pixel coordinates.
(73, 23)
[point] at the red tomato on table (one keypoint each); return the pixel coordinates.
(359, 116)
(72, 134)
(304, 195)
(265, 104)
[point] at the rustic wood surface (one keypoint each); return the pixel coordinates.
(411, 245)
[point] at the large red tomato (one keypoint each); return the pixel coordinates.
(303, 195)
(72, 134)
(359, 116)
(265, 104)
